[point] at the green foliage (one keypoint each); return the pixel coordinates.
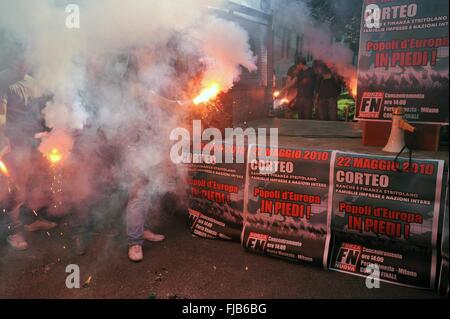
(346, 101)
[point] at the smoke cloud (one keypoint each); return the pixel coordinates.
(317, 36)
(113, 79)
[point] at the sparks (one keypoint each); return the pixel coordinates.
(4, 169)
(55, 156)
(207, 94)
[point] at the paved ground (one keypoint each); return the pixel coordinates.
(184, 266)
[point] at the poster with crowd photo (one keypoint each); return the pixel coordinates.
(216, 192)
(386, 218)
(286, 204)
(404, 60)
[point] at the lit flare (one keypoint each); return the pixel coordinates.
(3, 169)
(354, 87)
(207, 94)
(54, 156)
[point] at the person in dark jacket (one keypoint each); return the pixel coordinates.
(21, 110)
(327, 90)
(306, 82)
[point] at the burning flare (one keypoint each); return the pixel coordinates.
(353, 86)
(4, 169)
(54, 156)
(207, 94)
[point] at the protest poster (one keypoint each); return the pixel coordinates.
(386, 214)
(216, 193)
(286, 209)
(403, 60)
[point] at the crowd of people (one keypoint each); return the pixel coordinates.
(26, 202)
(316, 88)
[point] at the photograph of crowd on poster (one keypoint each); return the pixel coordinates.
(286, 208)
(387, 212)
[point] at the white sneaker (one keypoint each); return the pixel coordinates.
(151, 236)
(135, 253)
(17, 241)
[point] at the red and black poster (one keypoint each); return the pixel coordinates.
(286, 206)
(386, 213)
(403, 60)
(216, 194)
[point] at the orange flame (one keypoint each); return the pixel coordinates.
(207, 94)
(276, 94)
(4, 169)
(353, 86)
(54, 156)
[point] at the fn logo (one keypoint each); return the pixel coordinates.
(348, 257)
(193, 218)
(371, 104)
(257, 242)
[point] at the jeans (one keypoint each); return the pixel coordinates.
(304, 106)
(137, 212)
(327, 109)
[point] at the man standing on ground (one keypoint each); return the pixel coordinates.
(328, 89)
(22, 117)
(305, 80)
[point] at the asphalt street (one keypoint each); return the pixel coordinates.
(181, 267)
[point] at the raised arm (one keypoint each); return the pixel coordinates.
(142, 92)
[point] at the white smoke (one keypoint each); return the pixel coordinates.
(226, 49)
(317, 36)
(102, 74)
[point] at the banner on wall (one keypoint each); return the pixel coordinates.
(286, 206)
(385, 218)
(216, 194)
(404, 60)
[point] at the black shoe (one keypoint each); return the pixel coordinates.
(79, 245)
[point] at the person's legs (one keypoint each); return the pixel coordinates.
(36, 217)
(18, 163)
(149, 235)
(136, 213)
(299, 108)
(78, 225)
(15, 227)
(304, 108)
(323, 110)
(332, 109)
(308, 105)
